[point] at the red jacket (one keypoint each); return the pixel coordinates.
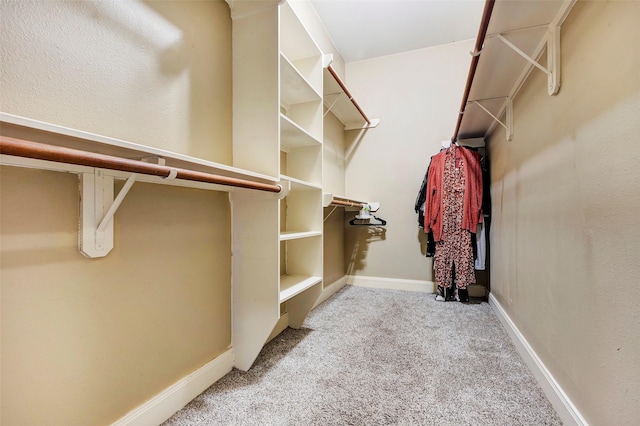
(472, 210)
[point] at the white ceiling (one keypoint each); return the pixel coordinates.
(364, 29)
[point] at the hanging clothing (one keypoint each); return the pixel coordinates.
(472, 203)
(454, 251)
(481, 244)
(430, 248)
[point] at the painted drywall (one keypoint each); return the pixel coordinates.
(86, 340)
(565, 231)
(333, 183)
(416, 96)
(153, 73)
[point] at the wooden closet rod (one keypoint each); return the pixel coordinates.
(346, 203)
(482, 32)
(346, 92)
(40, 151)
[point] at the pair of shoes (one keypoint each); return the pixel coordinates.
(463, 295)
(440, 294)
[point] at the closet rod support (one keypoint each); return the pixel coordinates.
(331, 106)
(489, 112)
(509, 115)
(521, 53)
(553, 58)
(114, 207)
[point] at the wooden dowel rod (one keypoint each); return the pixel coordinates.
(346, 91)
(346, 203)
(40, 151)
(482, 33)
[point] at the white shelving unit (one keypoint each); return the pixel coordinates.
(278, 130)
(301, 104)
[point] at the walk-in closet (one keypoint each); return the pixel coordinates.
(203, 193)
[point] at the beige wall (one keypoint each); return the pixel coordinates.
(565, 232)
(155, 73)
(86, 340)
(334, 217)
(416, 96)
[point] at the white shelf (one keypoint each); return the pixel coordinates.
(294, 136)
(299, 47)
(292, 285)
(500, 71)
(300, 185)
(15, 126)
(328, 197)
(291, 235)
(294, 88)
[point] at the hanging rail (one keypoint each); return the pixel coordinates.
(346, 203)
(475, 56)
(40, 151)
(346, 92)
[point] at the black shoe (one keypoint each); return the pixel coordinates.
(463, 295)
(450, 294)
(440, 294)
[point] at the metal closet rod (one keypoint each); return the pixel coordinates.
(40, 151)
(346, 92)
(482, 33)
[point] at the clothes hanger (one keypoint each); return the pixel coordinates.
(368, 222)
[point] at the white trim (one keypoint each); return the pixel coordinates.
(422, 286)
(175, 397)
(330, 290)
(568, 412)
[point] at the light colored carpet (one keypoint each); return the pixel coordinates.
(381, 357)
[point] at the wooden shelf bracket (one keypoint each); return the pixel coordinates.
(509, 116)
(553, 57)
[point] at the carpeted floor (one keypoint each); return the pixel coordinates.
(381, 357)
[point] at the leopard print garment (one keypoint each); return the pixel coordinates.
(454, 252)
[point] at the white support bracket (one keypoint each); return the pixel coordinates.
(509, 115)
(553, 58)
(97, 208)
(330, 107)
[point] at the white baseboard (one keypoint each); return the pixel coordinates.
(422, 286)
(330, 290)
(568, 413)
(175, 397)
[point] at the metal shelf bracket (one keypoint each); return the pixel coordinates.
(553, 58)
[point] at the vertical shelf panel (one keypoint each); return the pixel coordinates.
(255, 259)
(255, 94)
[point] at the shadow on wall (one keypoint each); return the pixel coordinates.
(353, 138)
(357, 244)
(181, 60)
